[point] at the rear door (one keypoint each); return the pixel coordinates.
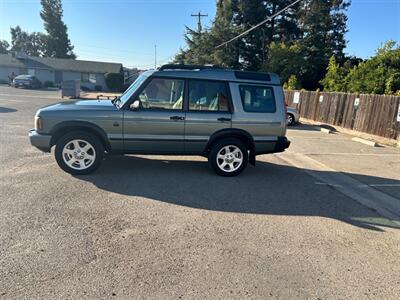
(208, 110)
(157, 126)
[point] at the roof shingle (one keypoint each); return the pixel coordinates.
(60, 64)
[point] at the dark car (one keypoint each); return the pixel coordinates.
(27, 81)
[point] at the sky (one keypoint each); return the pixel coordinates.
(126, 31)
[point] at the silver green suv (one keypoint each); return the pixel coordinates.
(225, 115)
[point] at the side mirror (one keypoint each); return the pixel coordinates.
(135, 105)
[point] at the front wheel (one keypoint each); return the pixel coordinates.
(79, 153)
(228, 157)
(290, 120)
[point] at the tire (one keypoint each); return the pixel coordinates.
(290, 120)
(79, 152)
(234, 163)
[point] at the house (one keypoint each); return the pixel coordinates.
(56, 70)
(130, 74)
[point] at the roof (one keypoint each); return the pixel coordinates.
(215, 73)
(61, 64)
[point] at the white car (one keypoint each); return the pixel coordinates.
(292, 116)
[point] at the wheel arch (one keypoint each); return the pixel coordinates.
(62, 128)
(245, 137)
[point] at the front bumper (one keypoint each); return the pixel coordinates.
(40, 141)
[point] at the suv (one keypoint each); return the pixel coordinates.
(225, 115)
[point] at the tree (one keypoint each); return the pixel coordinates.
(4, 45)
(30, 43)
(292, 83)
(285, 60)
(57, 44)
(323, 26)
(334, 80)
(114, 81)
(311, 31)
(378, 75)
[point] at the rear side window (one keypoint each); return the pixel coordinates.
(256, 98)
(207, 95)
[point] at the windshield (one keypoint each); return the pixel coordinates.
(131, 90)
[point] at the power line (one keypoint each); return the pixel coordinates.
(199, 15)
(258, 25)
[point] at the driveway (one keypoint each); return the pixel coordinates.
(295, 226)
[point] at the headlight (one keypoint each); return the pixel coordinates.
(38, 123)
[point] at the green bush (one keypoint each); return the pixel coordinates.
(114, 81)
(48, 84)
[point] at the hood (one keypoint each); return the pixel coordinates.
(80, 105)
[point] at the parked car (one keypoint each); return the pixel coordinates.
(27, 81)
(292, 116)
(225, 115)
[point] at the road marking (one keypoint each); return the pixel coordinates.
(30, 96)
(354, 154)
(365, 185)
(384, 204)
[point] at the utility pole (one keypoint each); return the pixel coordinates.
(199, 15)
(155, 56)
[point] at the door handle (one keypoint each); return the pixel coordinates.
(224, 119)
(177, 118)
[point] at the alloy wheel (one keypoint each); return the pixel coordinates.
(78, 154)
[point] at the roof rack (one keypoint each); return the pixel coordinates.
(187, 67)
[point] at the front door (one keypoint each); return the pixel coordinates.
(208, 111)
(157, 126)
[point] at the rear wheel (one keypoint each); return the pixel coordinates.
(79, 153)
(228, 157)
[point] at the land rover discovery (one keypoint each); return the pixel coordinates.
(228, 116)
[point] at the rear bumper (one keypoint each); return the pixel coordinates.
(266, 147)
(40, 141)
(282, 144)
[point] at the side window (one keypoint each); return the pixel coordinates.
(85, 77)
(208, 95)
(257, 98)
(162, 93)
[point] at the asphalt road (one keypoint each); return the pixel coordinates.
(167, 227)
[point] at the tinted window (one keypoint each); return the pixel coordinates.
(162, 93)
(208, 95)
(257, 98)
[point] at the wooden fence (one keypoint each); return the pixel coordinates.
(373, 114)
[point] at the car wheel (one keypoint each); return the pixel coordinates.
(228, 157)
(79, 153)
(290, 120)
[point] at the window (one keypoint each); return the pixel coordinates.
(86, 77)
(31, 72)
(92, 78)
(257, 98)
(208, 96)
(162, 93)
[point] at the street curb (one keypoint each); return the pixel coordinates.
(366, 142)
(326, 130)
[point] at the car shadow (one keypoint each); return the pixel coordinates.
(7, 110)
(270, 189)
